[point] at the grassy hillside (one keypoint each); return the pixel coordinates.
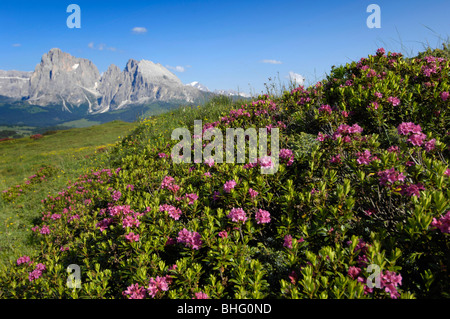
(60, 156)
(358, 208)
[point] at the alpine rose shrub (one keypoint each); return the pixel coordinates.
(357, 187)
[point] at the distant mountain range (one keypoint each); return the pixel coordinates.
(203, 88)
(66, 88)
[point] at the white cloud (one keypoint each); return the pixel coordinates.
(16, 45)
(178, 68)
(101, 47)
(139, 30)
(271, 61)
(295, 77)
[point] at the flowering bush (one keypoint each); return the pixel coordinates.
(363, 184)
(42, 174)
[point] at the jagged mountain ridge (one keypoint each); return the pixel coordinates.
(67, 81)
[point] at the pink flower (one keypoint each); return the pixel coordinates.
(336, 159)
(325, 108)
(200, 295)
(354, 271)
(288, 241)
(116, 195)
(390, 176)
(45, 230)
(190, 239)
(266, 162)
(444, 96)
(168, 182)
(364, 158)
(287, 156)
(417, 139)
(378, 95)
(262, 216)
(321, 137)
(135, 292)
(229, 185)
(223, 234)
(158, 284)
(393, 100)
(393, 148)
(412, 190)
(173, 212)
(103, 224)
(23, 260)
(209, 162)
(390, 281)
(443, 223)
(237, 214)
(192, 198)
(37, 272)
(430, 145)
(252, 193)
(56, 216)
(408, 128)
(132, 237)
(374, 105)
(381, 51)
(447, 172)
(130, 221)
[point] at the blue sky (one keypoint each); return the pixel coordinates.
(222, 44)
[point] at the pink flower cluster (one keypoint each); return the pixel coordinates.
(389, 281)
(287, 156)
(288, 240)
(190, 239)
(124, 213)
(262, 216)
(390, 176)
(415, 135)
(412, 190)
(237, 215)
(191, 198)
(155, 285)
(173, 212)
(37, 272)
(229, 185)
(252, 193)
(444, 96)
(266, 162)
(132, 237)
(325, 109)
(364, 158)
(209, 161)
(135, 292)
(169, 183)
(345, 131)
(116, 195)
(23, 260)
(443, 223)
(158, 284)
(393, 100)
(104, 224)
(200, 295)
